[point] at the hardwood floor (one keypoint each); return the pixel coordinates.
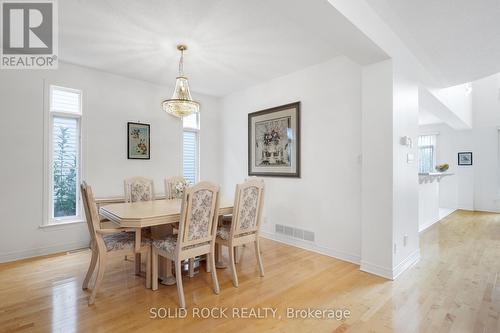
(454, 288)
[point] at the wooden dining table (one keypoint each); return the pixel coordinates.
(143, 214)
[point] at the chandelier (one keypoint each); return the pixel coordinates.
(181, 104)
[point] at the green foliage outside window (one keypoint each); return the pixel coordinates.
(64, 176)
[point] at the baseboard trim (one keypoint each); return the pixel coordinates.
(352, 258)
(42, 251)
(391, 273)
(406, 264)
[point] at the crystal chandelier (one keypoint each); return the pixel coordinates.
(181, 104)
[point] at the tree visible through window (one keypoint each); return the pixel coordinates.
(65, 116)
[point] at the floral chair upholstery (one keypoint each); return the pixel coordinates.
(139, 189)
(175, 187)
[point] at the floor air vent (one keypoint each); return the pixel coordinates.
(294, 232)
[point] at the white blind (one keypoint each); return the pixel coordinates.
(426, 153)
(190, 156)
(65, 152)
(63, 100)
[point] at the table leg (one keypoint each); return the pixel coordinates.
(137, 249)
(168, 278)
(219, 263)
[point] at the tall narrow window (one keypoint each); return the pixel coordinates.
(190, 147)
(426, 153)
(64, 147)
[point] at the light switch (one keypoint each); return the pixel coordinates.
(410, 158)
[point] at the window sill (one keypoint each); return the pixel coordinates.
(61, 224)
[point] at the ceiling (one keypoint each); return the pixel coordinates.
(233, 44)
(458, 41)
(427, 118)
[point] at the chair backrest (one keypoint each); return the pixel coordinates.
(199, 213)
(175, 187)
(139, 189)
(248, 203)
(90, 207)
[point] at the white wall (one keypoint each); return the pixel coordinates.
(486, 111)
(377, 185)
(109, 101)
(457, 191)
(326, 199)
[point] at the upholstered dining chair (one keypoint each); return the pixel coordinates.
(138, 189)
(245, 225)
(196, 237)
(108, 242)
(175, 187)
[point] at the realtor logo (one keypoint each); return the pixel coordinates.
(29, 34)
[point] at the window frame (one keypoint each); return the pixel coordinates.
(434, 149)
(196, 131)
(49, 220)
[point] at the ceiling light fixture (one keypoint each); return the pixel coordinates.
(181, 104)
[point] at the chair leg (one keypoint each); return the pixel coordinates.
(259, 257)
(191, 267)
(237, 253)
(178, 277)
(90, 272)
(215, 281)
(154, 269)
(208, 263)
(98, 280)
(232, 266)
(137, 264)
(148, 269)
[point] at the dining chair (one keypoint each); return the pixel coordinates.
(138, 189)
(196, 237)
(175, 187)
(245, 225)
(108, 242)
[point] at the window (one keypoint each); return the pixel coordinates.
(64, 162)
(190, 147)
(426, 153)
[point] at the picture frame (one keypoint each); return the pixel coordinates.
(465, 158)
(274, 142)
(138, 141)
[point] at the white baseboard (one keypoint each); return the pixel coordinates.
(407, 263)
(352, 258)
(391, 273)
(41, 251)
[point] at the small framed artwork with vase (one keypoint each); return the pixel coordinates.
(465, 158)
(138, 141)
(274, 142)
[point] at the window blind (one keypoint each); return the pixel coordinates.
(190, 156)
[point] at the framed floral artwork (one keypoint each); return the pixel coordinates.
(138, 141)
(274, 142)
(465, 158)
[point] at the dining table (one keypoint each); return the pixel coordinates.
(155, 213)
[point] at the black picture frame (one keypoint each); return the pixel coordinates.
(295, 169)
(468, 156)
(135, 154)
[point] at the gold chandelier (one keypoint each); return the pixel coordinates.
(181, 104)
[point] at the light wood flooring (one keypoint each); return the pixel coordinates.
(454, 288)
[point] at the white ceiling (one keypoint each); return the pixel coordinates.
(427, 118)
(457, 40)
(232, 44)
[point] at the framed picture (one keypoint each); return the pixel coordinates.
(274, 142)
(138, 141)
(465, 158)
